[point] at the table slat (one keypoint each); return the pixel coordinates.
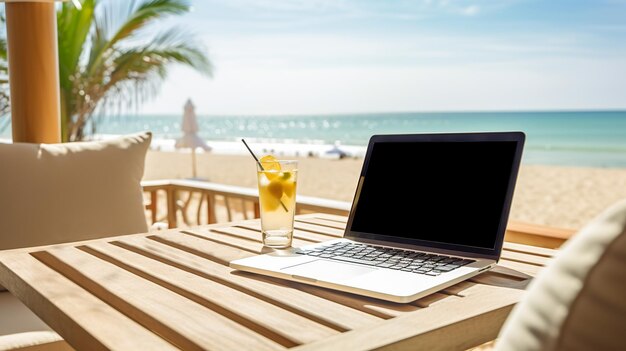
(376, 307)
(242, 238)
(275, 323)
(253, 232)
(525, 258)
(380, 308)
(178, 320)
(308, 233)
(330, 218)
(533, 250)
(498, 280)
(328, 232)
(223, 238)
(80, 318)
(444, 326)
(332, 226)
(529, 269)
(459, 289)
(280, 293)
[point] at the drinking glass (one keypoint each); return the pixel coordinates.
(277, 201)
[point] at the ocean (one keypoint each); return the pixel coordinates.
(582, 138)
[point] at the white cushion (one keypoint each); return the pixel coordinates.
(54, 193)
(579, 301)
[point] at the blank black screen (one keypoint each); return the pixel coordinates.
(445, 192)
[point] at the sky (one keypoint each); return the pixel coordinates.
(287, 57)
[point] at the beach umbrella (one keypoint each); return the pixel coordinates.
(190, 138)
(337, 151)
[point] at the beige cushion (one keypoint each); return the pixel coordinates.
(54, 193)
(579, 301)
(59, 193)
(22, 329)
(17, 318)
(34, 341)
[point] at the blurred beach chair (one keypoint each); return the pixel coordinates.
(579, 301)
(64, 193)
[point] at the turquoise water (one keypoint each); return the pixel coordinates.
(589, 138)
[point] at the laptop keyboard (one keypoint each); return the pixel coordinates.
(386, 257)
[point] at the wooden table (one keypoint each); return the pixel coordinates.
(174, 289)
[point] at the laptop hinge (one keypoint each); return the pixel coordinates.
(424, 248)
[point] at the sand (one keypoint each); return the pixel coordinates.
(564, 197)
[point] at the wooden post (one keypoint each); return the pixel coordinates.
(243, 209)
(154, 198)
(211, 217)
(257, 210)
(171, 207)
(227, 205)
(33, 71)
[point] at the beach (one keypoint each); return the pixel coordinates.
(556, 196)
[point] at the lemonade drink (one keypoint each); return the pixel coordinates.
(277, 200)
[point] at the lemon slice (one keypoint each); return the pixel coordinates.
(270, 163)
(271, 166)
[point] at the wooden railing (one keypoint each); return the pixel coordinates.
(183, 196)
(176, 200)
(537, 235)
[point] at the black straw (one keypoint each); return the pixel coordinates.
(253, 155)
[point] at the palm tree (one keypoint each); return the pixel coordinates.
(108, 57)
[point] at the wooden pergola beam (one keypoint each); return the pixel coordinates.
(33, 71)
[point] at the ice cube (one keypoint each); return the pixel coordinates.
(263, 181)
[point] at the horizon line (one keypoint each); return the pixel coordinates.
(304, 114)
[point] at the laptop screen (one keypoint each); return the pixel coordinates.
(437, 192)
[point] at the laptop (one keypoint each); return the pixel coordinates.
(430, 210)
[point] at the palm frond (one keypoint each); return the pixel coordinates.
(73, 27)
(3, 39)
(147, 12)
(3, 48)
(109, 57)
(146, 66)
(177, 45)
(138, 16)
